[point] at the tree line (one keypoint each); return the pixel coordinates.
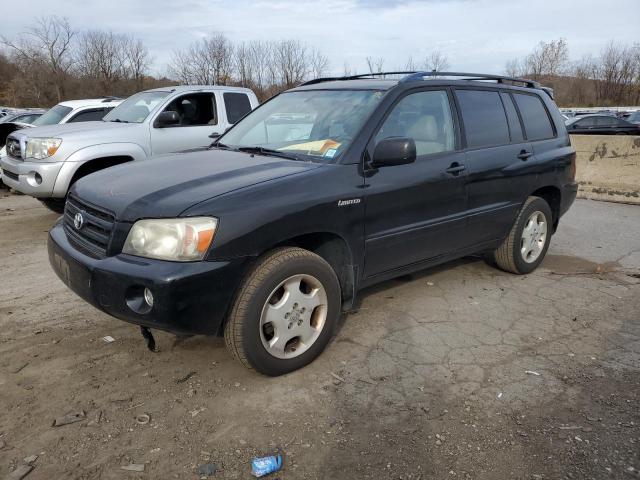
(51, 61)
(610, 78)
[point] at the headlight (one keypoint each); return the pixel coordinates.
(176, 239)
(39, 148)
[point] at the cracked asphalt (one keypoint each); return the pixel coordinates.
(461, 371)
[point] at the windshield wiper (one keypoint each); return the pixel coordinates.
(221, 146)
(119, 121)
(268, 152)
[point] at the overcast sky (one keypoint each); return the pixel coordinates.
(476, 35)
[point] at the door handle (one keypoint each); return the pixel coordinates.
(455, 168)
(523, 155)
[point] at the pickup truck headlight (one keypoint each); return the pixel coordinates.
(175, 239)
(39, 148)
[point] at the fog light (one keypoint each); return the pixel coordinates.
(148, 297)
(34, 179)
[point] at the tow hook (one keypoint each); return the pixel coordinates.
(148, 336)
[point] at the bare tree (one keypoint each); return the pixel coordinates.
(318, 63)
(513, 68)
(410, 65)
(616, 72)
(101, 57)
(290, 62)
(547, 59)
(207, 62)
(136, 60)
(436, 61)
(375, 65)
(47, 44)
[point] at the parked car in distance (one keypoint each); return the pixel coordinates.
(45, 162)
(601, 125)
(24, 116)
(268, 235)
(71, 111)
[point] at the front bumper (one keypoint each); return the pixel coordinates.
(189, 298)
(21, 176)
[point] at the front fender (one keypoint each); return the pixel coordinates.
(87, 154)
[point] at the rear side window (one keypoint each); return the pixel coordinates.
(485, 122)
(586, 122)
(606, 122)
(537, 125)
(88, 116)
(237, 105)
(512, 115)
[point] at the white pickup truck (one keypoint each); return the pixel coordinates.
(45, 161)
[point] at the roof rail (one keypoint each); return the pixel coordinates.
(471, 76)
(353, 77)
(410, 76)
(110, 99)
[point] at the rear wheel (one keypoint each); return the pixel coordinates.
(54, 204)
(526, 246)
(284, 313)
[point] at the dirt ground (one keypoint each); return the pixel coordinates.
(460, 372)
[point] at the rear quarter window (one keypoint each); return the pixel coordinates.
(484, 119)
(537, 125)
(237, 105)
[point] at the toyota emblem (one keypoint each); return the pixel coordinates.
(78, 221)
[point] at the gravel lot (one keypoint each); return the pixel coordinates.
(459, 372)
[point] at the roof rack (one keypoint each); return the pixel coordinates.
(417, 75)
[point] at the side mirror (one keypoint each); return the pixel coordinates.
(167, 119)
(394, 151)
(215, 135)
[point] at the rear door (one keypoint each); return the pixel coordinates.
(415, 212)
(198, 119)
(498, 159)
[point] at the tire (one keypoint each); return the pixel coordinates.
(263, 296)
(509, 256)
(54, 204)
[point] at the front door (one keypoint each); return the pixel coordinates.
(415, 212)
(198, 119)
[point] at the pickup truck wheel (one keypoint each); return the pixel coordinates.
(525, 247)
(285, 311)
(54, 204)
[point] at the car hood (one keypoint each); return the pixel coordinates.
(165, 186)
(80, 128)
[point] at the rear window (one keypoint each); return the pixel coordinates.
(537, 125)
(88, 115)
(237, 105)
(485, 122)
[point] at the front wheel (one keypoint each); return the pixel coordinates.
(284, 313)
(525, 247)
(54, 204)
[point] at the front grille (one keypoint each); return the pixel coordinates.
(11, 175)
(13, 148)
(95, 229)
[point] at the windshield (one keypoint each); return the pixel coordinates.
(136, 108)
(52, 116)
(634, 117)
(313, 124)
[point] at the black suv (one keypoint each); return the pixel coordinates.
(267, 236)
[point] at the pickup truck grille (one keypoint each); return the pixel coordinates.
(90, 233)
(13, 148)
